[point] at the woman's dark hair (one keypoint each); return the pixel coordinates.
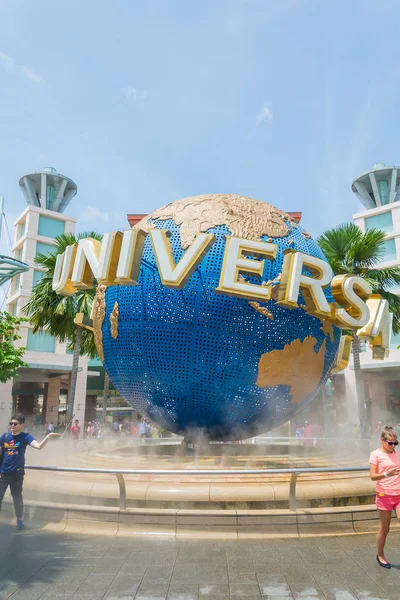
(388, 432)
(20, 418)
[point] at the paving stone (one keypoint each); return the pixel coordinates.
(50, 567)
(153, 590)
(150, 597)
(278, 597)
(302, 591)
(136, 570)
(183, 592)
(206, 592)
(298, 574)
(157, 575)
(30, 591)
(63, 589)
(117, 597)
(7, 590)
(245, 590)
(108, 565)
(338, 593)
(80, 597)
(96, 584)
(245, 577)
(201, 574)
(138, 557)
(125, 584)
(274, 588)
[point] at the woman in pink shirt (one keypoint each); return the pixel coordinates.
(385, 470)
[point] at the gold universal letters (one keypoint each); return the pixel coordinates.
(116, 260)
(378, 330)
(350, 293)
(234, 262)
(312, 286)
(176, 275)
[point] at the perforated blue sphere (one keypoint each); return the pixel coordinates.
(194, 359)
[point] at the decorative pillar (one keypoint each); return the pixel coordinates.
(80, 394)
(351, 397)
(51, 401)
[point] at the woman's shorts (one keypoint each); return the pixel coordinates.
(385, 502)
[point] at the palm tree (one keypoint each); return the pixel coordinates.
(351, 251)
(55, 314)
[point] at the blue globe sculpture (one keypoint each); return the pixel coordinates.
(194, 359)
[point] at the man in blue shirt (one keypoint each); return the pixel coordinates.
(12, 462)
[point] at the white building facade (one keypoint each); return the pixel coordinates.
(379, 192)
(47, 194)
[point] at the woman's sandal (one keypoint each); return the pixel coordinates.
(384, 565)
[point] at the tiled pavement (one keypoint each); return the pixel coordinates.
(51, 566)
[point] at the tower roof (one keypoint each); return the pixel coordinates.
(379, 186)
(48, 189)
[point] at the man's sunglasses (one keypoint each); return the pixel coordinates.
(391, 443)
(15, 423)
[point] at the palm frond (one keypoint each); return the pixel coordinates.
(349, 250)
(53, 313)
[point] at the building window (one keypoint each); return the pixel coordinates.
(383, 191)
(40, 341)
(18, 253)
(21, 229)
(13, 309)
(50, 192)
(50, 227)
(389, 249)
(383, 221)
(17, 284)
(37, 276)
(44, 248)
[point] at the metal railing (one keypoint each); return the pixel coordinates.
(119, 473)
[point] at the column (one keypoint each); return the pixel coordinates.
(51, 401)
(351, 396)
(80, 394)
(6, 401)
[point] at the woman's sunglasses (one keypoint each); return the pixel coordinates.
(391, 443)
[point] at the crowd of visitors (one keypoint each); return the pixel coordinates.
(143, 428)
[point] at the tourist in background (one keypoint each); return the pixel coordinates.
(12, 462)
(142, 428)
(385, 470)
(89, 430)
(75, 430)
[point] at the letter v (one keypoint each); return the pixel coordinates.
(176, 275)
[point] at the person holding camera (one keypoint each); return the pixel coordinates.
(385, 470)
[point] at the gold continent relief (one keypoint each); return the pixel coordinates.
(297, 366)
(244, 217)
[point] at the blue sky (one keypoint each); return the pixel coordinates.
(141, 103)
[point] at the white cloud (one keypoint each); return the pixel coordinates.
(8, 63)
(31, 74)
(92, 213)
(265, 114)
(95, 219)
(134, 95)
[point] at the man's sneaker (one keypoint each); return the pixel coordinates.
(20, 524)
